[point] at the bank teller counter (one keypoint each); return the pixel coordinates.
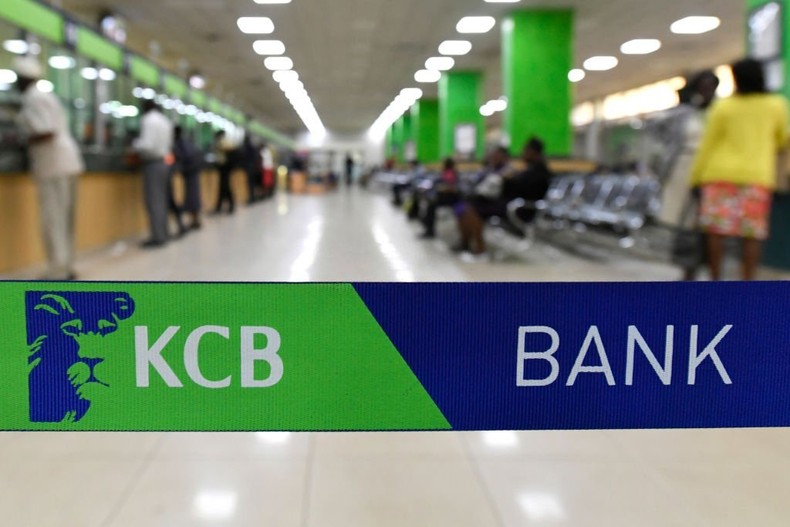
(110, 207)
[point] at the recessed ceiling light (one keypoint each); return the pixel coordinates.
(476, 24)
(426, 76)
(90, 74)
(641, 46)
(45, 86)
(17, 47)
(268, 47)
(486, 111)
(256, 25)
(285, 76)
(278, 63)
(455, 47)
(601, 63)
(440, 63)
(695, 25)
(576, 75)
(106, 74)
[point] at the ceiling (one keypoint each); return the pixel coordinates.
(354, 56)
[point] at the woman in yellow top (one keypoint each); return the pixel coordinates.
(735, 166)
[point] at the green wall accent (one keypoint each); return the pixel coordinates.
(537, 54)
(752, 4)
(93, 46)
(460, 96)
(425, 129)
(34, 17)
(175, 86)
(145, 71)
(388, 143)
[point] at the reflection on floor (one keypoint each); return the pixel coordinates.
(579, 479)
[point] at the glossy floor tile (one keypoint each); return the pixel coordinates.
(721, 478)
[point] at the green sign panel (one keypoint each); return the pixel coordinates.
(95, 47)
(34, 17)
(133, 356)
(144, 71)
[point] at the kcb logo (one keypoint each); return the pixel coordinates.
(69, 338)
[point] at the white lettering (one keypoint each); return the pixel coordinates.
(548, 356)
(635, 338)
(250, 355)
(191, 352)
(695, 359)
(593, 336)
(152, 356)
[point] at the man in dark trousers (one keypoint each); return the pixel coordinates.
(223, 157)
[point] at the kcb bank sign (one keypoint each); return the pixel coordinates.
(312, 357)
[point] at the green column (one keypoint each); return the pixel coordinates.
(537, 54)
(425, 129)
(397, 139)
(407, 139)
(388, 142)
(460, 98)
(777, 249)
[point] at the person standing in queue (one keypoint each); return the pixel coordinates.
(154, 145)
(188, 159)
(350, 166)
(223, 157)
(55, 163)
(250, 158)
(267, 162)
(736, 167)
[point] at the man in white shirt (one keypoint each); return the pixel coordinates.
(55, 163)
(154, 145)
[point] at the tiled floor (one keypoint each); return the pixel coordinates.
(708, 478)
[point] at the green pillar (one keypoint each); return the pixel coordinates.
(777, 249)
(407, 139)
(460, 98)
(388, 142)
(537, 54)
(397, 139)
(425, 129)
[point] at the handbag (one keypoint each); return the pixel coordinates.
(688, 245)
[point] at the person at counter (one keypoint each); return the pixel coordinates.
(55, 163)
(154, 145)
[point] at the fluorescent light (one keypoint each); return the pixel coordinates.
(576, 75)
(7, 77)
(440, 63)
(256, 25)
(45, 86)
(498, 105)
(601, 63)
(695, 25)
(292, 86)
(641, 46)
(476, 24)
(16, 46)
(411, 93)
(106, 74)
(90, 74)
(61, 62)
(285, 76)
(278, 63)
(427, 76)
(269, 47)
(455, 47)
(486, 111)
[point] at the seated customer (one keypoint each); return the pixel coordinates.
(415, 171)
(445, 194)
(491, 199)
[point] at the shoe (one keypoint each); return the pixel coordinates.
(427, 236)
(153, 244)
(460, 248)
(472, 258)
(195, 227)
